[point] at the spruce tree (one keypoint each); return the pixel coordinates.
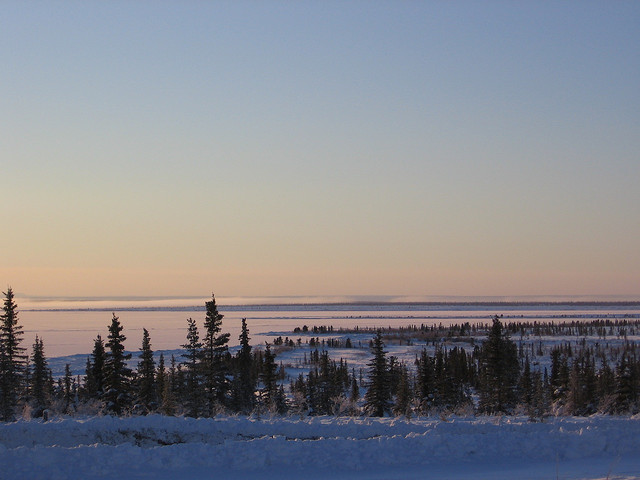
(117, 373)
(378, 395)
(12, 358)
(281, 401)
(425, 381)
(627, 384)
(244, 382)
(559, 379)
(328, 385)
(606, 385)
(40, 387)
(193, 382)
(161, 378)
(402, 404)
(95, 373)
(499, 371)
(581, 394)
(67, 389)
(452, 378)
(146, 391)
(25, 394)
(269, 379)
(168, 394)
(539, 405)
(525, 384)
(355, 389)
(176, 380)
(214, 362)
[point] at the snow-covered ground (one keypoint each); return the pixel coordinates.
(156, 447)
(160, 447)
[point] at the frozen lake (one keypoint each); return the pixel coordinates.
(68, 332)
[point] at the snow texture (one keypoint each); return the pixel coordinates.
(161, 447)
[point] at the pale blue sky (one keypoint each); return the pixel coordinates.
(299, 148)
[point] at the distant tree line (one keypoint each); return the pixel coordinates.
(494, 377)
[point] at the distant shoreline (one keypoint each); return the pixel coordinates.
(362, 305)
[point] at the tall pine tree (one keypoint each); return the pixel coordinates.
(378, 396)
(12, 358)
(425, 381)
(269, 379)
(40, 386)
(67, 390)
(499, 371)
(214, 361)
(161, 379)
(94, 382)
(146, 388)
(117, 373)
(193, 372)
(165, 382)
(244, 382)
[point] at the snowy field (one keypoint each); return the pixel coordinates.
(156, 447)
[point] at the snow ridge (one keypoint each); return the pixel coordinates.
(166, 447)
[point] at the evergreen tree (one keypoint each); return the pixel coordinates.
(425, 381)
(12, 358)
(525, 384)
(193, 384)
(161, 378)
(176, 380)
(452, 378)
(214, 355)
(67, 389)
(441, 384)
(40, 387)
(89, 383)
(539, 405)
(25, 395)
(117, 375)
(589, 383)
(95, 373)
(581, 394)
(378, 395)
(394, 371)
(146, 373)
(167, 397)
(499, 371)
(626, 384)
(327, 386)
(244, 382)
(355, 389)
(606, 385)
(281, 401)
(269, 379)
(559, 380)
(402, 405)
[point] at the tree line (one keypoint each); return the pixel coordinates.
(494, 377)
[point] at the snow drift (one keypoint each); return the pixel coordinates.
(314, 447)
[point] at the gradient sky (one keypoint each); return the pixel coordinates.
(300, 148)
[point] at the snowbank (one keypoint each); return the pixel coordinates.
(240, 447)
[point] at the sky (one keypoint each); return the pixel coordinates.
(320, 148)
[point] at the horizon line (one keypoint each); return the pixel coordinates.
(159, 303)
